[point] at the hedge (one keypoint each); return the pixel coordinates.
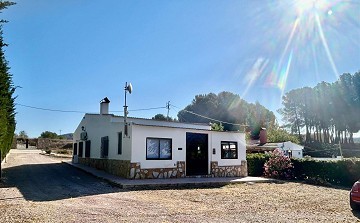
(342, 172)
(255, 163)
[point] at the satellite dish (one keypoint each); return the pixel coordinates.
(129, 88)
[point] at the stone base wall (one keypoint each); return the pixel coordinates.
(126, 169)
(116, 167)
(137, 173)
(229, 171)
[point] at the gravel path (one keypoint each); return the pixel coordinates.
(47, 191)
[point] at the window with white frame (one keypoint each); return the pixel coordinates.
(158, 149)
(229, 150)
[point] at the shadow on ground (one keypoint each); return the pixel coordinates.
(53, 181)
(356, 213)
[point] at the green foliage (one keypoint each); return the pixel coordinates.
(275, 134)
(317, 149)
(278, 166)
(161, 117)
(50, 135)
(343, 172)
(23, 134)
(227, 107)
(255, 163)
(328, 112)
(217, 127)
(7, 89)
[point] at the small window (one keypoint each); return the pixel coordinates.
(81, 145)
(120, 143)
(158, 149)
(75, 149)
(229, 150)
(87, 148)
(104, 147)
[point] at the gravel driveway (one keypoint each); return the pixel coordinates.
(39, 188)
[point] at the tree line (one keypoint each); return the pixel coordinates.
(228, 112)
(328, 112)
(7, 99)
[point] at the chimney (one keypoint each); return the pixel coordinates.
(263, 136)
(104, 106)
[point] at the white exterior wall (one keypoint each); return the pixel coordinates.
(178, 136)
(296, 150)
(140, 133)
(98, 126)
(217, 137)
(134, 146)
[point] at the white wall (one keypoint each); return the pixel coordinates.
(140, 133)
(178, 136)
(217, 137)
(297, 150)
(134, 147)
(98, 126)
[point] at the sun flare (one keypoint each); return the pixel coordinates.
(308, 35)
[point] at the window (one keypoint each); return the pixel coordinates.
(158, 149)
(120, 143)
(81, 145)
(229, 150)
(104, 147)
(87, 148)
(75, 149)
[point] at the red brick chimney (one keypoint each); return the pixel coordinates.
(263, 136)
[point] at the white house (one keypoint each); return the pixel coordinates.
(291, 149)
(145, 148)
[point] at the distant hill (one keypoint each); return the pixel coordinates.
(68, 136)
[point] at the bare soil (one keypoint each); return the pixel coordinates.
(73, 196)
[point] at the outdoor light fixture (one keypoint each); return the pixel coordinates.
(127, 88)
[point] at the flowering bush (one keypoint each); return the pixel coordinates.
(278, 166)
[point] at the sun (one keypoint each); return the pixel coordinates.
(304, 7)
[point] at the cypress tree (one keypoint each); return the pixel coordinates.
(7, 100)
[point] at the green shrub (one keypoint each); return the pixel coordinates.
(255, 163)
(343, 172)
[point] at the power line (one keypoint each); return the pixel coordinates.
(48, 109)
(142, 109)
(211, 119)
(69, 111)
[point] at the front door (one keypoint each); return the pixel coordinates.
(196, 154)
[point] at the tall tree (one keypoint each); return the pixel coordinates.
(228, 109)
(328, 112)
(7, 108)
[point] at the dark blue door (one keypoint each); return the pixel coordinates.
(196, 154)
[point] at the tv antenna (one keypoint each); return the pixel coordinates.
(127, 88)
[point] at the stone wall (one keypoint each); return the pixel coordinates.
(229, 171)
(116, 167)
(137, 173)
(53, 143)
(124, 168)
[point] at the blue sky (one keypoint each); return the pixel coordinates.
(68, 55)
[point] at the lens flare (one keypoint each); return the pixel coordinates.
(307, 35)
(326, 46)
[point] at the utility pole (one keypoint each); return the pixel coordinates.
(168, 109)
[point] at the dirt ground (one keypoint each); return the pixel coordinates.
(74, 196)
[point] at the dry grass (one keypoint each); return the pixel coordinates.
(288, 202)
